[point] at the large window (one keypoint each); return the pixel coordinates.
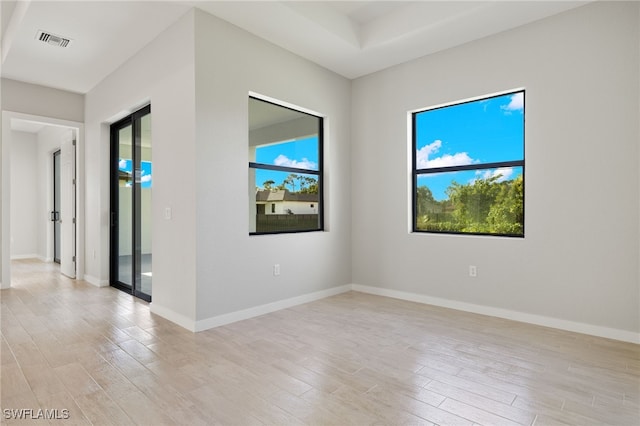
(285, 169)
(468, 167)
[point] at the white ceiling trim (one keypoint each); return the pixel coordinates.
(329, 34)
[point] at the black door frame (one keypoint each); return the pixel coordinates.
(132, 120)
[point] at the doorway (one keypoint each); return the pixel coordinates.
(35, 233)
(131, 196)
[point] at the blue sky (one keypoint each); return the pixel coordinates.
(483, 131)
(145, 174)
(301, 153)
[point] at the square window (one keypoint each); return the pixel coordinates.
(468, 167)
(285, 169)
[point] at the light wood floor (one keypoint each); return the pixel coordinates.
(352, 359)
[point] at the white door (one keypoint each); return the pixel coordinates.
(68, 205)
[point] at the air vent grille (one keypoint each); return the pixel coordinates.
(52, 39)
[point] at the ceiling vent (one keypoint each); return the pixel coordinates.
(53, 39)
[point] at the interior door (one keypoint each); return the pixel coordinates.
(67, 220)
(55, 213)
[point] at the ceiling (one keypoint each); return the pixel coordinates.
(351, 38)
(264, 114)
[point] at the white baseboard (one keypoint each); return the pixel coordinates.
(219, 320)
(172, 316)
(96, 281)
(24, 256)
(212, 322)
(578, 327)
(32, 256)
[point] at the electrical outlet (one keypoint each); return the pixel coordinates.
(276, 269)
(473, 271)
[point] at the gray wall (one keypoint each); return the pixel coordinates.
(234, 270)
(39, 100)
(579, 260)
(24, 195)
(161, 74)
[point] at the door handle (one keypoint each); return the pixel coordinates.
(55, 216)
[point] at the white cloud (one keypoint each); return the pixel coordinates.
(515, 104)
(122, 164)
(283, 160)
(447, 160)
(145, 178)
(503, 173)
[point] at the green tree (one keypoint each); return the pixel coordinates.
(302, 182)
(431, 214)
(291, 180)
(486, 205)
(305, 184)
(424, 200)
(268, 184)
(308, 185)
(472, 202)
(506, 215)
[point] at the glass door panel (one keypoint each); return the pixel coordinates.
(125, 206)
(145, 190)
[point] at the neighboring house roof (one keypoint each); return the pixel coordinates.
(122, 175)
(266, 195)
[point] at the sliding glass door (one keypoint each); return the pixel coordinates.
(131, 186)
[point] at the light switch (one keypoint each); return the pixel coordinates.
(167, 213)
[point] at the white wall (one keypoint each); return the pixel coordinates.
(163, 74)
(297, 207)
(40, 100)
(579, 259)
(234, 270)
(24, 195)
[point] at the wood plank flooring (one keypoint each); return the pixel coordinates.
(351, 359)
